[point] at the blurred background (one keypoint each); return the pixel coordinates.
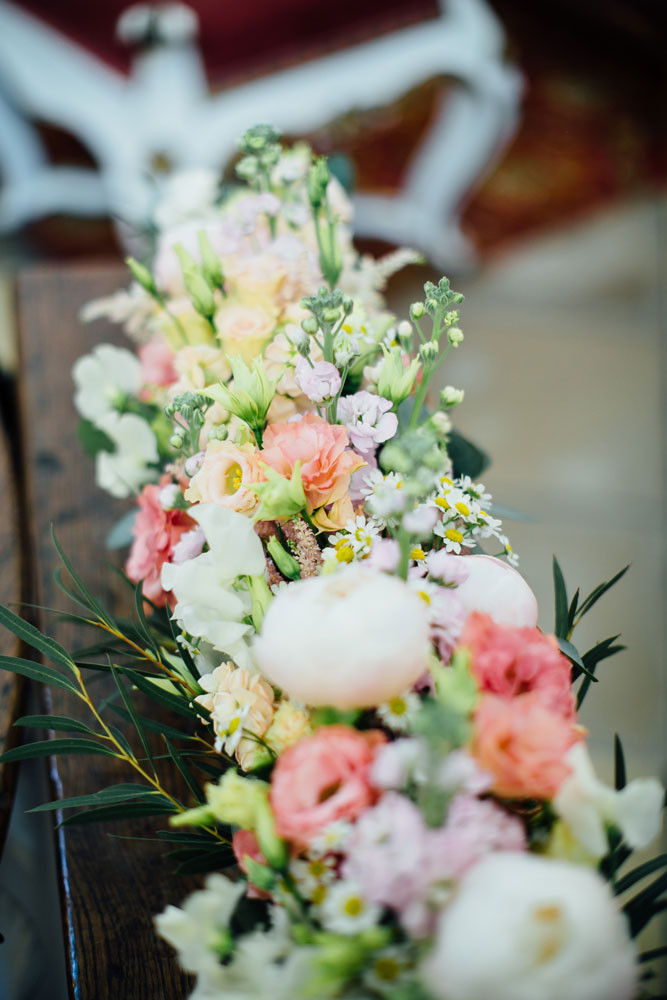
(519, 145)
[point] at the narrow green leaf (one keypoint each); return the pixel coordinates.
(652, 955)
(172, 701)
(647, 896)
(598, 592)
(144, 629)
(123, 740)
(68, 592)
(640, 918)
(181, 837)
(59, 723)
(642, 871)
(129, 810)
(206, 862)
(37, 672)
(186, 772)
(578, 666)
(153, 725)
(115, 793)
(51, 649)
(572, 611)
(560, 599)
(135, 718)
(93, 603)
(56, 748)
(620, 780)
(603, 650)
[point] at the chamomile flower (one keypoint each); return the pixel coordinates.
(354, 541)
(398, 713)
(345, 910)
(452, 536)
(383, 495)
(388, 969)
(490, 527)
(510, 554)
(311, 874)
(476, 490)
(331, 839)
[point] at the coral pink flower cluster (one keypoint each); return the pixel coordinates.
(156, 533)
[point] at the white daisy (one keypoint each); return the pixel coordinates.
(331, 839)
(398, 713)
(312, 874)
(387, 970)
(346, 911)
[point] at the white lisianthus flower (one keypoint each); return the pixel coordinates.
(521, 927)
(353, 639)
(210, 604)
(124, 471)
(587, 805)
(104, 377)
(498, 590)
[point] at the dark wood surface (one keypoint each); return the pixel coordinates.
(111, 887)
(12, 687)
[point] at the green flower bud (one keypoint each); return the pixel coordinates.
(318, 180)
(450, 396)
(455, 336)
(176, 441)
(279, 497)
(211, 264)
(417, 310)
(250, 393)
(331, 315)
(395, 380)
(142, 275)
(286, 563)
(196, 285)
(429, 352)
(310, 325)
(260, 876)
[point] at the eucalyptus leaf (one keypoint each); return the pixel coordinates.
(123, 810)
(51, 649)
(115, 793)
(561, 602)
(38, 672)
(59, 723)
(56, 748)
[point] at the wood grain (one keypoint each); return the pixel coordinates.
(111, 887)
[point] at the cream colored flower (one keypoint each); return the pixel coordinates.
(290, 724)
(244, 329)
(224, 476)
(199, 365)
(240, 703)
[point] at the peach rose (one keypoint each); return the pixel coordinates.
(523, 745)
(326, 462)
(511, 661)
(321, 779)
(223, 477)
(244, 330)
(156, 532)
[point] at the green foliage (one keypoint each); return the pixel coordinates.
(94, 440)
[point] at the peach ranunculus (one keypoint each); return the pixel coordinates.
(224, 476)
(156, 532)
(321, 779)
(244, 329)
(240, 702)
(523, 745)
(322, 448)
(512, 661)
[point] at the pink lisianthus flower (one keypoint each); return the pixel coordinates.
(322, 448)
(157, 364)
(368, 419)
(317, 381)
(451, 569)
(512, 661)
(321, 779)
(474, 827)
(523, 745)
(245, 845)
(157, 533)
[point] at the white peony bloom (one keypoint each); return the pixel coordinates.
(125, 470)
(104, 377)
(524, 928)
(498, 590)
(351, 640)
(587, 805)
(210, 605)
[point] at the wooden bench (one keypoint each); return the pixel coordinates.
(111, 886)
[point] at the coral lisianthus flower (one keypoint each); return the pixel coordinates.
(322, 448)
(156, 532)
(321, 779)
(511, 661)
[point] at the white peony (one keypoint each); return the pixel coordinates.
(104, 377)
(498, 590)
(351, 640)
(524, 928)
(587, 805)
(125, 470)
(210, 603)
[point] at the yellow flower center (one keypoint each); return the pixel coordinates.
(233, 725)
(442, 502)
(317, 868)
(387, 969)
(319, 894)
(463, 508)
(398, 706)
(353, 906)
(426, 598)
(453, 535)
(417, 553)
(234, 478)
(344, 551)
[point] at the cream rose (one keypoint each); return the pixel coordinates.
(244, 330)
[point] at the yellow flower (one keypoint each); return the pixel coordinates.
(290, 724)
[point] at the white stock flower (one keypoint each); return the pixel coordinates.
(522, 927)
(103, 378)
(352, 639)
(587, 805)
(125, 470)
(208, 603)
